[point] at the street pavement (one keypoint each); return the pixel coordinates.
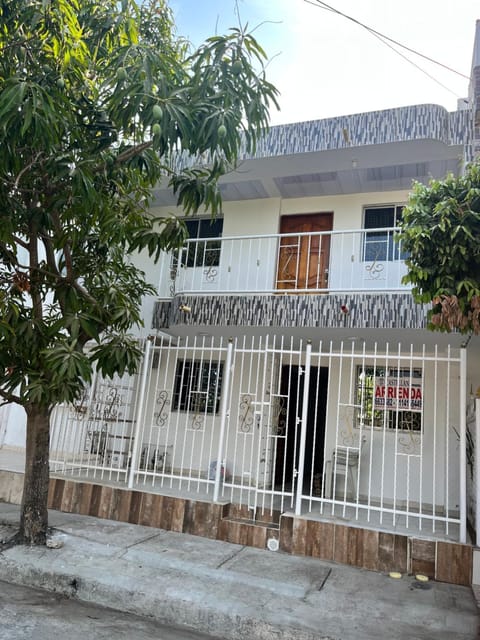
(33, 614)
(230, 591)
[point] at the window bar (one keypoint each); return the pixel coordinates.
(318, 276)
(226, 261)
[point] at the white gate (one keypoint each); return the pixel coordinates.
(372, 435)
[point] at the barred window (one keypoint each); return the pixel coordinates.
(198, 386)
(381, 246)
(203, 253)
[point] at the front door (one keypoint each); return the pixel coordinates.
(303, 259)
(288, 448)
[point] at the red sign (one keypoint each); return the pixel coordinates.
(398, 394)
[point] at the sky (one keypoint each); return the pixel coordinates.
(325, 65)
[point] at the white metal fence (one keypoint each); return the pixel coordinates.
(351, 260)
(373, 435)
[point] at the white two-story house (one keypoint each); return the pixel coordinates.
(290, 394)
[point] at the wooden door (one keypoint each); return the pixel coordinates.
(303, 259)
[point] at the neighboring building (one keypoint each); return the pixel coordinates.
(290, 372)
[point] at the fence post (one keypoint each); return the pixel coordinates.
(463, 444)
(223, 419)
(139, 414)
(303, 432)
(476, 463)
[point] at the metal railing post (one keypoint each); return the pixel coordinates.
(139, 414)
(463, 445)
(223, 419)
(477, 468)
(303, 432)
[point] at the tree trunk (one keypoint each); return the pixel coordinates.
(34, 513)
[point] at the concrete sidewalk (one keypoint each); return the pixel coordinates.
(230, 591)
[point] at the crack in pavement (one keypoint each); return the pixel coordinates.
(230, 557)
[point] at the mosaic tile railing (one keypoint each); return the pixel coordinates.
(386, 311)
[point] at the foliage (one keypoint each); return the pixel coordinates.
(440, 232)
(98, 103)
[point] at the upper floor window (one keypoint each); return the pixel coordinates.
(381, 246)
(201, 252)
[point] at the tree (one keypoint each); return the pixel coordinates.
(440, 231)
(98, 102)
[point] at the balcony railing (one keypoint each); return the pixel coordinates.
(365, 260)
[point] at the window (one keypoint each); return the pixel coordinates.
(198, 386)
(381, 245)
(390, 398)
(199, 253)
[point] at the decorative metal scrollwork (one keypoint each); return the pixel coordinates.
(410, 442)
(348, 435)
(80, 405)
(210, 274)
(107, 408)
(245, 415)
(162, 402)
(374, 270)
(197, 422)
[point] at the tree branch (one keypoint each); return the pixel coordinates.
(50, 254)
(9, 398)
(84, 293)
(21, 242)
(133, 151)
(25, 169)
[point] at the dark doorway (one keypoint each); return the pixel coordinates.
(292, 385)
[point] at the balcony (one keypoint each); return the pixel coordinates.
(340, 261)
